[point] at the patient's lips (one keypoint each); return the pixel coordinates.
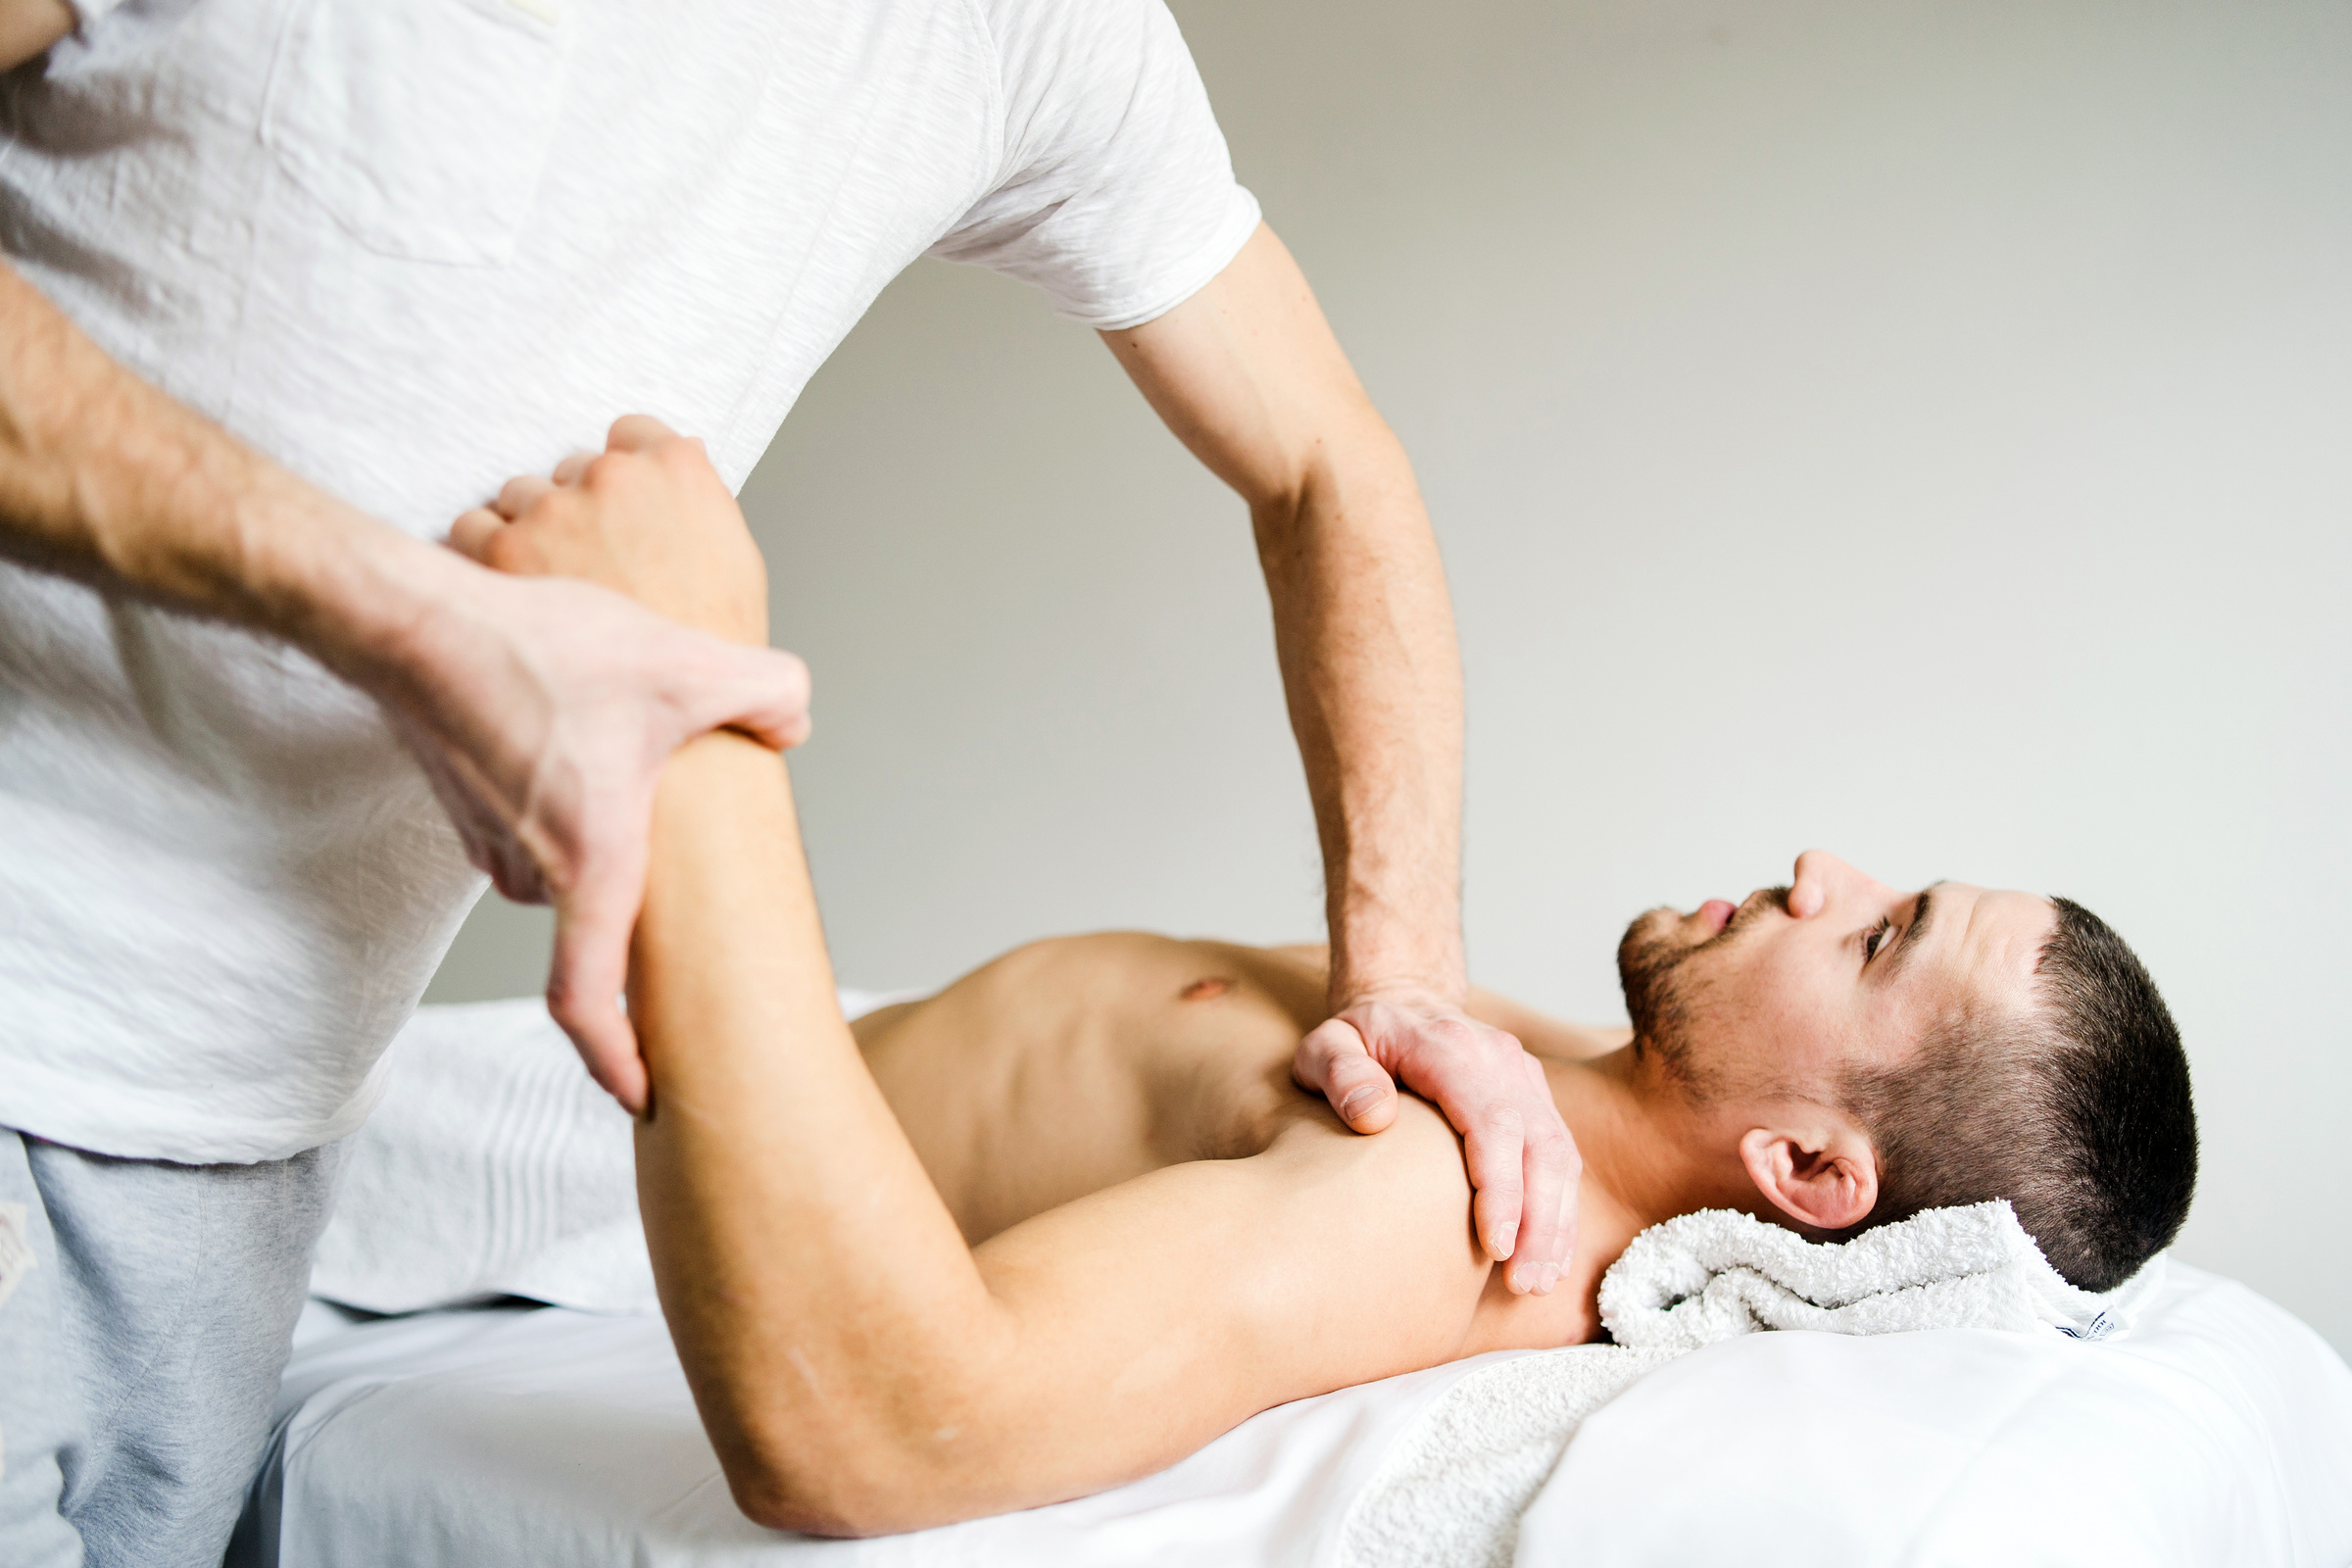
(1716, 913)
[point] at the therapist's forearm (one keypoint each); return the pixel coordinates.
(107, 479)
(1248, 374)
(1365, 634)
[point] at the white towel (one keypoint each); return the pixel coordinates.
(1452, 1493)
(493, 1167)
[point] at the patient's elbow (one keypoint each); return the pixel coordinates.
(787, 1508)
(816, 1507)
(845, 1491)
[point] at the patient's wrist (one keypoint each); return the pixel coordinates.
(720, 787)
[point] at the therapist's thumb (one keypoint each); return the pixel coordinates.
(1334, 1062)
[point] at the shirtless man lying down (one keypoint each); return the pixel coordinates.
(1068, 1220)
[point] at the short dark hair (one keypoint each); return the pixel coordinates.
(2079, 1114)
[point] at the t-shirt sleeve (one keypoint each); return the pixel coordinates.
(1116, 194)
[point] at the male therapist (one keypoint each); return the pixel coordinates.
(295, 283)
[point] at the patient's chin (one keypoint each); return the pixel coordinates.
(1646, 958)
(1660, 995)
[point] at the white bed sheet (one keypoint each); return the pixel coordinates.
(2219, 1432)
(542, 1437)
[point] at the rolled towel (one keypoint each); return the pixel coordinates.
(1699, 1278)
(1450, 1493)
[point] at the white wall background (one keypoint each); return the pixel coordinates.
(1916, 429)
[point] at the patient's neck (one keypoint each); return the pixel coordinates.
(1647, 1156)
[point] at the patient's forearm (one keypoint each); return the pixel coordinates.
(794, 1232)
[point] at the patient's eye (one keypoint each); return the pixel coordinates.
(1877, 939)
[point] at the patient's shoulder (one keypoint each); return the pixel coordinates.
(1409, 1185)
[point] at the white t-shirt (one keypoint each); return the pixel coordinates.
(409, 249)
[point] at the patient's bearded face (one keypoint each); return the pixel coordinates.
(1750, 1001)
(1676, 999)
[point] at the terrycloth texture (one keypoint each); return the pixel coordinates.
(1451, 1494)
(493, 1167)
(1704, 1277)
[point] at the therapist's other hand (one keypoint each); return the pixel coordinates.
(1521, 1158)
(547, 753)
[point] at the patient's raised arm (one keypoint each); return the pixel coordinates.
(858, 1366)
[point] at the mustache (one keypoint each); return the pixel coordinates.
(1768, 900)
(1660, 993)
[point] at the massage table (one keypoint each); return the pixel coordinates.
(2219, 1433)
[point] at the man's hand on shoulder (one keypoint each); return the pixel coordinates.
(1521, 1158)
(545, 706)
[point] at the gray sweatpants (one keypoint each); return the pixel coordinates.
(140, 1350)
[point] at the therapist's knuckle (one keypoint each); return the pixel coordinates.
(1500, 1120)
(608, 471)
(1452, 1036)
(512, 550)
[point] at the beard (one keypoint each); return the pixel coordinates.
(1665, 997)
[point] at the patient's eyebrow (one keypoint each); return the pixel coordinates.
(1922, 911)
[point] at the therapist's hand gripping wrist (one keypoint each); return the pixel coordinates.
(553, 704)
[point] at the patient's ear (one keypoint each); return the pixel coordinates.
(1818, 1168)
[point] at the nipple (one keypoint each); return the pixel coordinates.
(1206, 989)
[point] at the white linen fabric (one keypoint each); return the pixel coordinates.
(409, 250)
(493, 1165)
(2217, 1433)
(1451, 1495)
(550, 1438)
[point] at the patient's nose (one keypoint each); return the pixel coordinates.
(1820, 878)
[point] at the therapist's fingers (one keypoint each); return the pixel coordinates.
(569, 472)
(595, 917)
(635, 432)
(473, 531)
(1552, 1170)
(519, 494)
(1512, 1133)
